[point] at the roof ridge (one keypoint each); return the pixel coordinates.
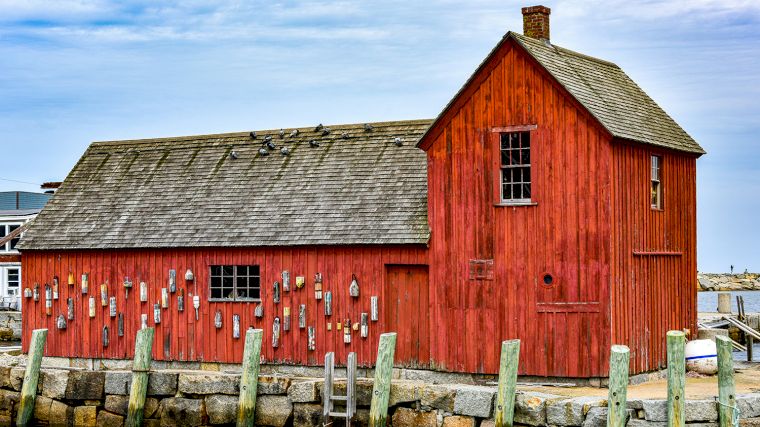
(565, 50)
(258, 131)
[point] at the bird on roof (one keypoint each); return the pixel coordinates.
(368, 127)
(294, 133)
(314, 143)
(252, 134)
(398, 141)
(282, 133)
(325, 131)
(318, 128)
(271, 145)
(267, 138)
(263, 151)
(344, 135)
(233, 154)
(284, 151)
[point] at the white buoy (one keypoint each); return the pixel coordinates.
(702, 356)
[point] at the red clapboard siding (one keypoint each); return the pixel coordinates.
(564, 328)
(189, 339)
(654, 259)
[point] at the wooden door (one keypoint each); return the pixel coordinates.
(406, 313)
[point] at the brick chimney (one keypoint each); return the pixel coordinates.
(536, 22)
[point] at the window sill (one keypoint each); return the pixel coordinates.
(658, 209)
(234, 300)
(515, 204)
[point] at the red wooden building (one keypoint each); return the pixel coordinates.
(552, 201)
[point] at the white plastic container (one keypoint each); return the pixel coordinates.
(702, 356)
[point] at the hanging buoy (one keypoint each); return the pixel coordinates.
(71, 278)
(55, 289)
(127, 287)
(85, 283)
(143, 292)
(373, 308)
(353, 289)
(92, 307)
(302, 316)
(36, 291)
(300, 281)
(286, 281)
(48, 300)
(318, 286)
(218, 319)
(70, 308)
(105, 336)
(235, 326)
(276, 292)
(143, 321)
(276, 332)
(172, 280)
(181, 300)
(364, 325)
(328, 303)
(157, 313)
(259, 310)
(61, 322)
(120, 325)
(196, 305)
(311, 339)
(27, 292)
(164, 298)
(286, 319)
(104, 295)
(112, 307)
(701, 356)
(347, 331)
(189, 275)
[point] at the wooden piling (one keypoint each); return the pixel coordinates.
(249, 380)
(726, 388)
(31, 377)
(505, 399)
(618, 389)
(378, 412)
(140, 368)
(676, 379)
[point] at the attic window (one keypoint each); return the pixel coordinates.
(656, 187)
(235, 283)
(515, 181)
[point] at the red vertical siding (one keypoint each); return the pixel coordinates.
(179, 336)
(654, 259)
(564, 328)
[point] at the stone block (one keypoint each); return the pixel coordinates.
(303, 391)
(8, 400)
(118, 382)
(61, 414)
(17, 378)
(85, 385)
(5, 377)
(150, 408)
(701, 411)
(749, 422)
(179, 411)
(596, 417)
(571, 412)
(406, 417)
(749, 405)
(86, 416)
(273, 410)
(107, 419)
(476, 401)
(194, 384)
(655, 410)
(404, 392)
(644, 423)
(53, 383)
(488, 423)
(221, 408)
(363, 390)
(530, 408)
(117, 404)
(160, 383)
(307, 414)
(458, 421)
(438, 397)
(42, 408)
(271, 385)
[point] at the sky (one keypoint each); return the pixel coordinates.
(76, 71)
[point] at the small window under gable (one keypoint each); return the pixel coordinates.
(656, 182)
(514, 150)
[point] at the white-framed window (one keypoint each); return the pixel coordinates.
(235, 283)
(514, 149)
(6, 229)
(13, 281)
(656, 180)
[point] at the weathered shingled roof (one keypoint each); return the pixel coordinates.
(357, 188)
(608, 94)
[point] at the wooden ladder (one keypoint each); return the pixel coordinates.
(350, 397)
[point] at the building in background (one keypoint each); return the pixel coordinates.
(17, 208)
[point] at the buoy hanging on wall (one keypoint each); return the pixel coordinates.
(27, 292)
(157, 313)
(112, 307)
(286, 281)
(55, 289)
(373, 308)
(36, 291)
(85, 283)
(302, 316)
(104, 295)
(120, 325)
(189, 276)
(181, 300)
(276, 332)
(218, 319)
(164, 298)
(196, 305)
(172, 280)
(300, 281)
(127, 287)
(347, 331)
(328, 303)
(71, 278)
(286, 319)
(143, 321)
(48, 300)
(259, 310)
(70, 308)
(365, 325)
(312, 342)
(353, 289)
(318, 286)
(143, 292)
(92, 307)
(61, 322)
(276, 292)
(235, 326)
(105, 336)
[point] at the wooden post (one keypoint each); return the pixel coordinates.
(350, 387)
(505, 399)
(249, 380)
(31, 377)
(618, 389)
(676, 379)
(726, 389)
(140, 368)
(328, 386)
(750, 347)
(378, 412)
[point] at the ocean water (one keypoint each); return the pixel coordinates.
(707, 302)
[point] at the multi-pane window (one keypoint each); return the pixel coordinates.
(14, 280)
(515, 166)
(235, 283)
(6, 229)
(656, 189)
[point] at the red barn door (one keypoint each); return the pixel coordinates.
(406, 313)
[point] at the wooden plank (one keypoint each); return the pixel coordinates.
(378, 412)
(31, 377)
(618, 386)
(249, 379)
(676, 379)
(728, 413)
(140, 368)
(505, 398)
